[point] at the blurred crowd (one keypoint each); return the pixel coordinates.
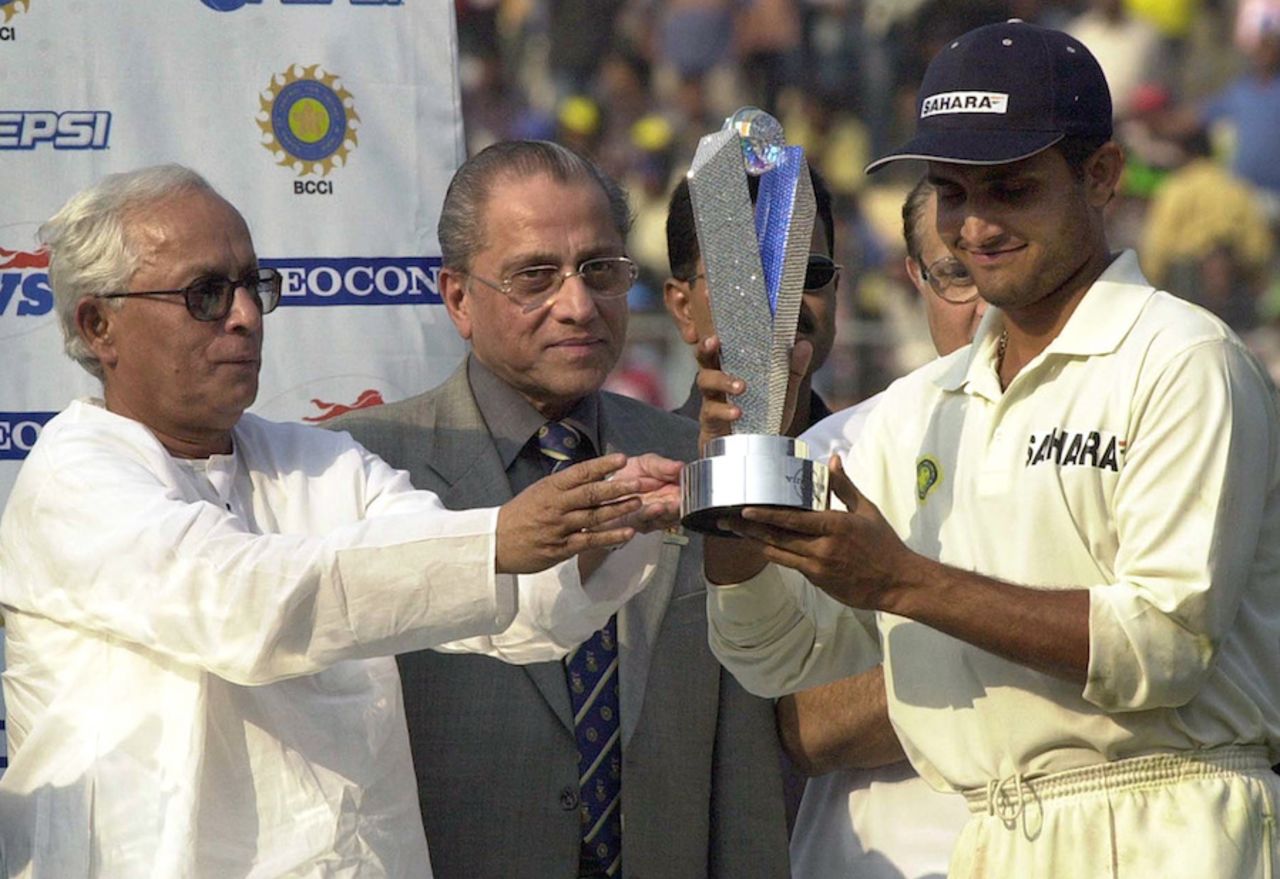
(634, 84)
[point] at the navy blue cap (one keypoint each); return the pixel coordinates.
(1004, 92)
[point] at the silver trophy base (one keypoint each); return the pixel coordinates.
(749, 470)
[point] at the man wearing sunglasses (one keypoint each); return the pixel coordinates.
(201, 605)
(639, 755)
(685, 294)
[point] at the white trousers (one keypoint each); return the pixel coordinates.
(1191, 815)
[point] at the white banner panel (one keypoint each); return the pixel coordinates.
(333, 125)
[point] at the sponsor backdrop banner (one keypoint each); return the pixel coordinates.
(333, 125)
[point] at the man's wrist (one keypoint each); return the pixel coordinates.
(728, 560)
(911, 586)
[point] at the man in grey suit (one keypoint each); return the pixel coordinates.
(638, 756)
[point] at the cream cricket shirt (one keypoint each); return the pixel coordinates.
(1135, 457)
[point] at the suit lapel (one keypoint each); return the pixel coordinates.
(463, 454)
(468, 462)
(640, 618)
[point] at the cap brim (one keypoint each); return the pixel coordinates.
(970, 147)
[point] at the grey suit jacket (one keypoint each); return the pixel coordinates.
(493, 744)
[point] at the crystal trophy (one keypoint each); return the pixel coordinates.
(755, 259)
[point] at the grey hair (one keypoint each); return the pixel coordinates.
(90, 248)
(461, 229)
(913, 216)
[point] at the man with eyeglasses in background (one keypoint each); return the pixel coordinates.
(686, 299)
(201, 605)
(865, 811)
(638, 756)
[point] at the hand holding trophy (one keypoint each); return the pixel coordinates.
(755, 261)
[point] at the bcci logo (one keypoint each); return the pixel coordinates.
(928, 475)
(308, 121)
(10, 8)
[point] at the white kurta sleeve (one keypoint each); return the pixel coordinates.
(540, 616)
(777, 633)
(556, 612)
(109, 542)
(1189, 506)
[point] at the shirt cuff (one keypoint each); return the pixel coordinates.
(556, 611)
(751, 613)
(1140, 657)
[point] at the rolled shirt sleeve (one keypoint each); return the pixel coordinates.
(1189, 509)
(777, 633)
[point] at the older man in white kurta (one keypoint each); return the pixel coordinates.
(191, 682)
(202, 606)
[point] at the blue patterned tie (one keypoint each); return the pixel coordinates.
(592, 672)
(562, 445)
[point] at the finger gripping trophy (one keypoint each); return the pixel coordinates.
(755, 262)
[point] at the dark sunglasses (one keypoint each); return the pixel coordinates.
(820, 272)
(210, 299)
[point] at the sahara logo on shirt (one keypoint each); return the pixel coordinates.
(308, 122)
(1068, 448)
(928, 475)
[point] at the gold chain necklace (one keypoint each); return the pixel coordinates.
(1002, 345)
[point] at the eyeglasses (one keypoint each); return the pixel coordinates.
(950, 280)
(209, 299)
(605, 277)
(820, 271)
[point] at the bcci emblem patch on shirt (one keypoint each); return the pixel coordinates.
(928, 475)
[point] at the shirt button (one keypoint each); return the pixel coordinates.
(568, 799)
